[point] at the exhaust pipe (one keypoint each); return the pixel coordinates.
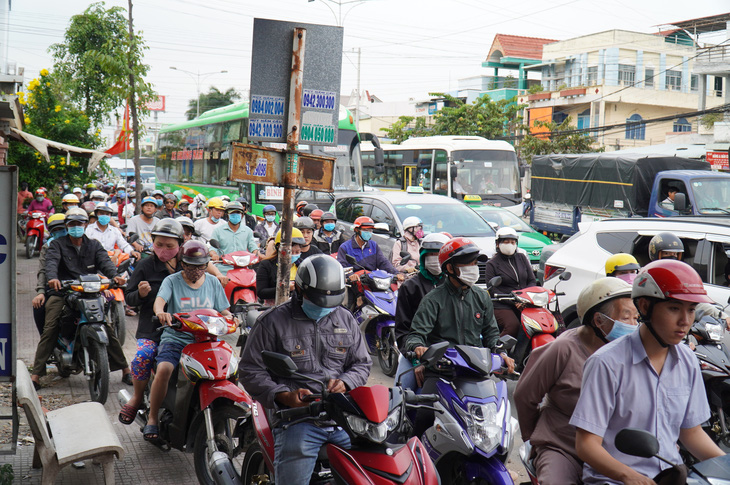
(124, 397)
(221, 469)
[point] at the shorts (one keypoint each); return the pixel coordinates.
(143, 359)
(170, 351)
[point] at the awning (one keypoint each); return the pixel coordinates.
(50, 147)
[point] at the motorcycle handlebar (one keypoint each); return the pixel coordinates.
(313, 410)
(413, 398)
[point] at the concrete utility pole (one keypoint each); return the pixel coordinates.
(133, 113)
(196, 77)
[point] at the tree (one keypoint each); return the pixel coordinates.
(556, 141)
(95, 60)
(483, 117)
(400, 131)
(210, 100)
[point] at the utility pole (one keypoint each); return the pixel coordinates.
(357, 113)
(133, 113)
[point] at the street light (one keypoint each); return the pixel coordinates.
(340, 3)
(197, 78)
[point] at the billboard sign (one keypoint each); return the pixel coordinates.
(157, 104)
(718, 160)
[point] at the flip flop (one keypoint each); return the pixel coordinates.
(127, 414)
(151, 433)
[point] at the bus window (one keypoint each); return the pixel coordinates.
(440, 181)
(231, 132)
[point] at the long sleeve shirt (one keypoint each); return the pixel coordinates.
(369, 256)
(64, 261)
(111, 238)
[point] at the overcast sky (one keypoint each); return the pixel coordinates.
(409, 47)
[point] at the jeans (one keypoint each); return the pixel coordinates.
(296, 450)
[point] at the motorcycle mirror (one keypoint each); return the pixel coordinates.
(237, 308)
(405, 257)
(214, 243)
(434, 353)
(565, 276)
(637, 442)
(508, 342)
(351, 259)
(124, 266)
(496, 281)
(133, 237)
(279, 364)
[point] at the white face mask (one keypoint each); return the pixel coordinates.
(432, 264)
(469, 274)
(508, 249)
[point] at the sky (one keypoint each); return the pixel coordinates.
(409, 47)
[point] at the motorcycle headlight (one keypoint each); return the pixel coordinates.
(482, 424)
(216, 325)
(539, 299)
(242, 261)
(376, 432)
(91, 286)
(381, 284)
(714, 331)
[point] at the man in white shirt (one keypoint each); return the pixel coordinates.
(110, 237)
(143, 223)
(205, 227)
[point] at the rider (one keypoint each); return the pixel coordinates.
(410, 242)
(192, 289)
(266, 272)
(646, 381)
(316, 216)
(622, 266)
(205, 227)
(328, 239)
(68, 258)
(248, 218)
(666, 245)
(365, 251)
(188, 227)
(324, 341)
(550, 384)
(306, 225)
(300, 207)
(268, 227)
(57, 228)
(109, 237)
(159, 197)
(184, 208)
(41, 203)
(23, 195)
(143, 223)
(516, 272)
(68, 201)
(234, 235)
(168, 209)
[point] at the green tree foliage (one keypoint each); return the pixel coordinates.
(94, 61)
(50, 115)
(401, 130)
(483, 117)
(556, 142)
(210, 100)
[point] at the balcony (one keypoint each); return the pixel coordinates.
(713, 60)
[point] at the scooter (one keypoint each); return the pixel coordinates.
(204, 412)
(369, 415)
(35, 229)
(539, 323)
(242, 277)
(115, 307)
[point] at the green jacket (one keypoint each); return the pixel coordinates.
(458, 316)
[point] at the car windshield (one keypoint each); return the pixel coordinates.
(456, 219)
(712, 195)
(503, 218)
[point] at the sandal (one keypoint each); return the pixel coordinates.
(127, 379)
(129, 312)
(151, 432)
(127, 414)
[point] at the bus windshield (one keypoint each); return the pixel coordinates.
(485, 172)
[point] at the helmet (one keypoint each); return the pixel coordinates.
(157, 192)
(621, 262)
(296, 237)
(119, 185)
(56, 220)
(40, 191)
(304, 223)
(506, 233)
(328, 216)
(598, 292)
(434, 241)
(300, 205)
(177, 194)
(459, 250)
(77, 189)
(225, 198)
(171, 197)
(308, 209)
(412, 221)
(234, 206)
(667, 278)
(76, 214)
(148, 200)
(363, 221)
(321, 280)
(70, 199)
(104, 207)
(194, 252)
(216, 203)
(183, 201)
(269, 208)
(664, 241)
(89, 207)
(185, 222)
(201, 198)
(316, 214)
(90, 186)
(242, 200)
(169, 228)
(98, 194)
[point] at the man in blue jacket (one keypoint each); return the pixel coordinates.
(366, 252)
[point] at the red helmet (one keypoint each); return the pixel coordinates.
(300, 205)
(316, 214)
(670, 279)
(40, 191)
(364, 221)
(459, 250)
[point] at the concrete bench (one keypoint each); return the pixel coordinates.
(67, 435)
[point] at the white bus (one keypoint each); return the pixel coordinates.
(464, 167)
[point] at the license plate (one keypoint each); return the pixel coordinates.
(535, 267)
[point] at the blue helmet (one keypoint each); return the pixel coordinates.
(151, 200)
(269, 208)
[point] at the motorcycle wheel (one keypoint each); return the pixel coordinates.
(224, 424)
(253, 464)
(99, 379)
(388, 353)
(30, 244)
(117, 317)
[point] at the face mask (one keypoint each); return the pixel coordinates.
(629, 278)
(165, 254)
(432, 264)
(235, 218)
(315, 312)
(215, 219)
(59, 233)
(158, 202)
(104, 220)
(76, 231)
(270, 218)
(194, 273)
(508, 249)
(366, 235)
(295, 258)
(121, 195)
(330, 226)
(419, 234)
(469, 274)
(619, 328)
(39, 198)
(65, 187)
(71, 206)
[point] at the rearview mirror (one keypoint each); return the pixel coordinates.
(636, 442)
(405, 256)
(496, 281)
(565, 276)
(133, 237)
(434, 353)
(351, 259)
(214, 243)
(279, 364)
(680, 202)
(508, 342)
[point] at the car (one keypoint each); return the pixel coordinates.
(706, 248)
(389, 209)
(531, 241)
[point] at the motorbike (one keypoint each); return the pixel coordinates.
(34, 233)
(115, 307)
(369, 415)
(242, 277)
(204, 412)
(539, 324)
(473, 429)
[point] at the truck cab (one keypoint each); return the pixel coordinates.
(690, 192)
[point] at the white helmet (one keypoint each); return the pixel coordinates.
(434, 241)
(98, 194)
(601, 291)
(507, 233)
(77, 190)
(411, 221)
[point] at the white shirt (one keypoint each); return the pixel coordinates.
(205, 228)
(109, 237)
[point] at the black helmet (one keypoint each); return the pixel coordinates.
(304, 222)
(169, 228)
(322, 280)
(308, 209)
(664, 241)
(195, 252)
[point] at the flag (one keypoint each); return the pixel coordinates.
(125, 134)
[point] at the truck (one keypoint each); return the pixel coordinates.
(570, 189)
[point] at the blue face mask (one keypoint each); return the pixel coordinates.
(121, 195)
(295, 258)
(619, 329)
(235, 218)
(270, 218)
(215, 219)
(76, 231)
(59, 233)
(104, 220)
(366, 235)
(330, 226)
(315, 312)
(158, 202)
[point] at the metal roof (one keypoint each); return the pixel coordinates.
(703, 25)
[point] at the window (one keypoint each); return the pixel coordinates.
(616, 242)
(694, 82)
(649, 77)
(674, 80)
(440, 182)
(626, 74)
(381, 213)
(584, 119)
(342, 209)
(635, 128)
(592, 76)
(559, 117)
(681, 126)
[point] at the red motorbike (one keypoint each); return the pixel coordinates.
(204, 412)
(35, 229)
(370, 415)
(241, 278)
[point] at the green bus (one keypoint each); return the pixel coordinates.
(193, 158)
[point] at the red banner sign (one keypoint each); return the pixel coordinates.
(157, 105)
(718, 160)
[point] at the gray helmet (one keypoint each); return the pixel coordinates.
(157, 192)
(304, 223)
(76, 214)
(308, 209)
(168, 227)
(185, 222)
(171, 197)
(195, 253)
(321, 279)
(232, 206)
(328, 216)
